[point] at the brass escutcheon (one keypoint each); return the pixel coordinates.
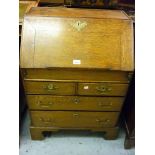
(50, 87)
(79, 25)
(76, 100)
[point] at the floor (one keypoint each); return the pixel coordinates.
(71, 143)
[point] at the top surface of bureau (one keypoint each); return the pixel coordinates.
(77, 13)
(77, 38)
(24, 6)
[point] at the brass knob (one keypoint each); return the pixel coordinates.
(50, 87)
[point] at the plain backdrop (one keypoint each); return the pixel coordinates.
(145, 77)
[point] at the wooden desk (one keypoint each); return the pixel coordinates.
(76, 67)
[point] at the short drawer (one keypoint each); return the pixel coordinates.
(73, 119)
(102, 89)
(55, 88)
(48, 102)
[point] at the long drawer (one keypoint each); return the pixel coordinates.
(73, 119)
(102, 89)
(76, 75)
(54, 88)
(48, 102)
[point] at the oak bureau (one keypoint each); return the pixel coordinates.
(76, 66)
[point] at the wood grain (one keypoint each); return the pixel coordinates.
(73, 119)
(77, 13)
(76, 75)
(76, 67)
(24, 7)
(101, 89)
(92, 45)
(46, 102)
(60, 88)
(110, 133)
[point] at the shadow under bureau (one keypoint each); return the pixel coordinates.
(76, 66)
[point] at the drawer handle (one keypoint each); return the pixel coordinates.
(103, 121)
(76, 100)
(103, 89)
(50, 87)
(44, 105)
(75, 115)
(105, 105)
(49, 120)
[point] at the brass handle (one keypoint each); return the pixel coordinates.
(105, 104)
(48, 120)
(103, 89)
(44, 105)
(103, 121)
(76, 100)
(50, 87)
(75, 115)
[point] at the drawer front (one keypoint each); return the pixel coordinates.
(55, 88)
(102, 89)
(74, 119)
(47, 102)
(72, 74)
